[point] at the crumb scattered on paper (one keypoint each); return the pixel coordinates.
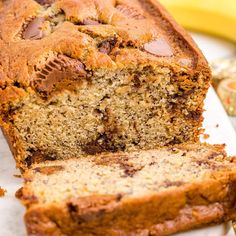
(217, 125)
(206, 136)
(2, 192)
(17, 176)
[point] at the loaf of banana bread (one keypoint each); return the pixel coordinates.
(88, 76)
(154, 192)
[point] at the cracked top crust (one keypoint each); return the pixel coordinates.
(101, 35)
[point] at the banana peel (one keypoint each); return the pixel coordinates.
(217, 17)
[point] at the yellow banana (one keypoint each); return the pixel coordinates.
(216, 17)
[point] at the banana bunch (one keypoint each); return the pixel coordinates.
(217, 17)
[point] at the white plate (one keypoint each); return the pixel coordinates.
(11, 211)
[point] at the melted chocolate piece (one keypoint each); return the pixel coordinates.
(34, 29)
(58, 74)
(194, 115)
(37, 157)
(107, 45)
(101, 144)
(159, 47)
(130, 12)
(45, 2)
(129, 169)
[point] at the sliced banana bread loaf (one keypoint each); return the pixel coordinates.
(155, 192)
(91, 76)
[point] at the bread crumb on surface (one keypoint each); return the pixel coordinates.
(2, 192)
(206, 136)
(17, 176)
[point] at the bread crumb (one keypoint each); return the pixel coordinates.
(206, 136)
(17, 176)
(217, 125)
(2, 192)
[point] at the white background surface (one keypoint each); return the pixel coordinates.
(11, 211)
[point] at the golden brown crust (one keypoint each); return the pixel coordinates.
(192, 206)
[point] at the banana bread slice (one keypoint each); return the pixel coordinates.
(154, 192)
(88, 76)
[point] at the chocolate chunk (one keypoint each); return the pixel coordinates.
(131, 12)
(34, 29)
(17, 84)
(93, 148)
(72, 207)
(45, 2)
(136, 81)
(184, 154)
(107, 45)
(152, 163)
(129, 169)
(119, 196)
(58, 74)
(101, 144)
(77, 207)
(175, 141)
(37, 157)
(159, 47)
(90, 22)
(48, 170)
(194, 115)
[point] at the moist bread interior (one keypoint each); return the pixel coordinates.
(125, 110)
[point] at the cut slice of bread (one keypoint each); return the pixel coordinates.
(155, 192)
